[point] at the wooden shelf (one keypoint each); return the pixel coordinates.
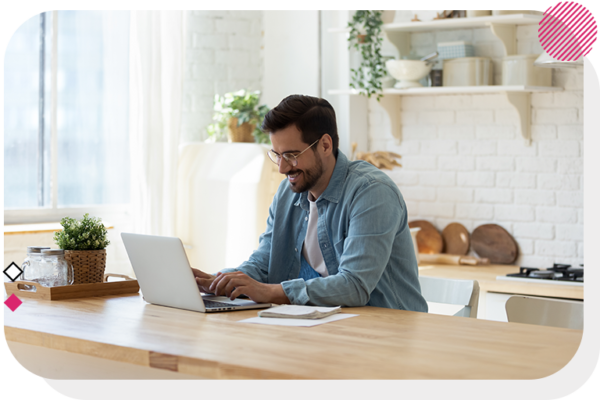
(455, 23)
(455, 90)
(518, 96)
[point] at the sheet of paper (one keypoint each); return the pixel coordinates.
(297, 322)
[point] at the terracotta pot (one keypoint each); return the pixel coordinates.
(242, 133)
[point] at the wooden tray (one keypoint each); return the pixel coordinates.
(36, 291)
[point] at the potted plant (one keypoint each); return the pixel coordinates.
(365, 36)
(237, 117)
(84, 242)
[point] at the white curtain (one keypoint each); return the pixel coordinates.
(155, 106)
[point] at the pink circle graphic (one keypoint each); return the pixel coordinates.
(567, 31)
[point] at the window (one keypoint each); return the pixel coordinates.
(66, 144)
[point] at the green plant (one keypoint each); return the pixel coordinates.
(365, 36)
(88, 233)
(242, 105)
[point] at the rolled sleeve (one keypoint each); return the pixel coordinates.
(296, 291)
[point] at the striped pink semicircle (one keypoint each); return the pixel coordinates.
(567, 31)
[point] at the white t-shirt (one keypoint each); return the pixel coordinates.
(311, 250)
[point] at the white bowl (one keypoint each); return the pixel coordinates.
(408, 72)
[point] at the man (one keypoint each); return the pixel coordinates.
(337, 232)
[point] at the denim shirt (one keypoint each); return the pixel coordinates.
(363, 235)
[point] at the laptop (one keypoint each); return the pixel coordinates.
(166, 279)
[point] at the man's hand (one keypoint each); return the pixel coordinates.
(203, 280)
(233, 284)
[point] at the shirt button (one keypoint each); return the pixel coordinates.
(295, 249)
(306, 218)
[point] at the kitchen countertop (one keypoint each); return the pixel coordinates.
(486, 275)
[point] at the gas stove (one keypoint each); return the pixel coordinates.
(561, 274)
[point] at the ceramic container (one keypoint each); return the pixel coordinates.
(408, 72)
(468, 71)
(519, 70)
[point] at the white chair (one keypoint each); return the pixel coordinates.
(452, 291)
(544, 311)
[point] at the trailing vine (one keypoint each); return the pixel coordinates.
(365, 36)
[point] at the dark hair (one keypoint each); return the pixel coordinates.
(312, 116)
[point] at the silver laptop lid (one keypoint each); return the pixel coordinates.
(163, 271)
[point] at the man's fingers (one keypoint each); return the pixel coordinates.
(238, 291)
(232, 284)
(216, 286)
(199, 274)
(203, 284)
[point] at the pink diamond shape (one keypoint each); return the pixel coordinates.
(13, 302)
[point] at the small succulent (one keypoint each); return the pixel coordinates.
(88, 233)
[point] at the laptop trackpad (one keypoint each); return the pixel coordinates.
(225, 299)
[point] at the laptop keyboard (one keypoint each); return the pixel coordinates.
(216, 304)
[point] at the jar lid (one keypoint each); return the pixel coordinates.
(36, 249)
(53, 252)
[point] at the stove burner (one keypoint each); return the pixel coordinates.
(559, 272)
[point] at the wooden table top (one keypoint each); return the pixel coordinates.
(486, 276)
(378, 344)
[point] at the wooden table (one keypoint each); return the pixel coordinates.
(378, 344)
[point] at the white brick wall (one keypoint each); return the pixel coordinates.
(464, 160)
(223, 54)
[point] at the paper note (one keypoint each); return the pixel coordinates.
(297, 322)
(296, 311)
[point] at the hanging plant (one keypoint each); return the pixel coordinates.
(365, 36)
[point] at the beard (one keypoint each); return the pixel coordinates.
(309, 177)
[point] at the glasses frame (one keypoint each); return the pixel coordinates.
(288, 156)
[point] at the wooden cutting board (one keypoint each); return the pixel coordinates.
(429, 240)
(494, 242)
(452, 259)
(456, 239)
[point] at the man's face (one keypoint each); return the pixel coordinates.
(309, 170)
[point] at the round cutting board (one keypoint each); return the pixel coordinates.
(456, 239)
(494, 242)
(429, 240)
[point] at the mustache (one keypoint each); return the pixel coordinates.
(293, 172)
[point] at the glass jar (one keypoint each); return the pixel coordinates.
(31, 265)
(54, 269)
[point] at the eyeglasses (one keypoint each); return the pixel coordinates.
(289, 157)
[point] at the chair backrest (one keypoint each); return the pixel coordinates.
(452, 291)
(544, 311)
